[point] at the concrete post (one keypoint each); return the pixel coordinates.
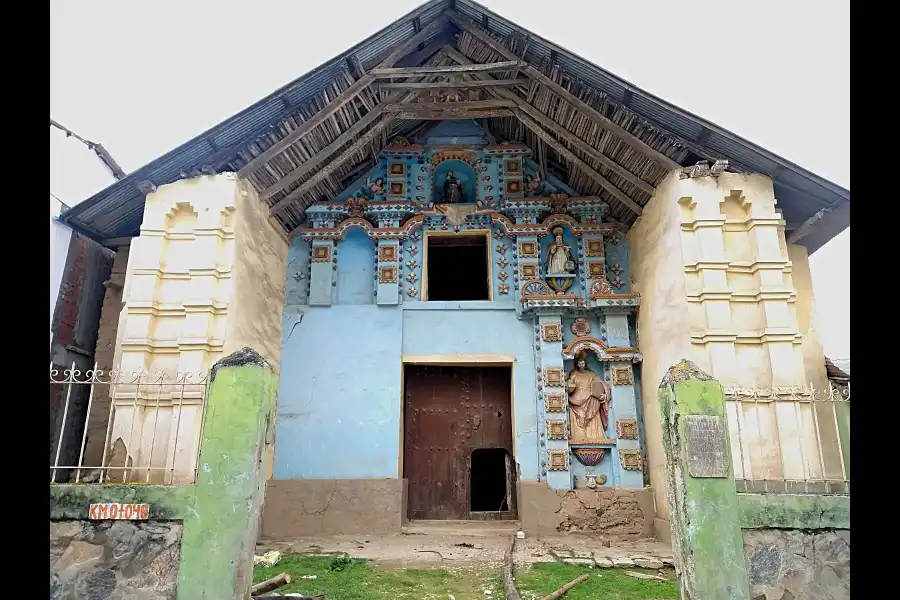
(220, 535)
(703, 510)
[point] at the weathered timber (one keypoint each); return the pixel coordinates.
(435, 115)
(332, 166)
(384, 73)
(346, 96)
(559, 130)
(586, 168)
(562, 591)
(316, 159)
(427, 85)
(636, 143)
(320, 156)
(807, 226)
(449, 106)
(271, 584)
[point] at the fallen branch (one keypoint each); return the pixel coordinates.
(509, 583)
(644, 576)
(561, 591)
(271, 584)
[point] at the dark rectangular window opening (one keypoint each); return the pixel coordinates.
(458, 267)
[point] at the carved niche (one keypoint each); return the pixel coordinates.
(555, 403)
(622, 375)
(528, 250)
(553, 377)
(558, 460)
(321, 253)
(551, 332)
(556, 429)
(631, 460)
(387, 275)
(626, 429)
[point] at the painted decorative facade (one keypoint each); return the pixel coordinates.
(559, 305)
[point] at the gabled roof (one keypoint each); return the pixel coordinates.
(605, 136)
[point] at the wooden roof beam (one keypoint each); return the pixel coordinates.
(386, 73)
(583, 166)
(636, 143)
(326, 171)
(426, 85)
(559, 130)
(450, 114)
(399, 51)
(449, 106)
(316, 159)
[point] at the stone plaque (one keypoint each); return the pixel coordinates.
(706, 446)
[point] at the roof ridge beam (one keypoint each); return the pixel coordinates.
(636, 143)
(346, 96)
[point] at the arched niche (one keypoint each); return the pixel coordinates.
(356, 268)
(570, 240)
(463, 171)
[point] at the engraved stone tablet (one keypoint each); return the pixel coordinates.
(706, 446)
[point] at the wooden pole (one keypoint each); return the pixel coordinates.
(270, 584)
(562, 591)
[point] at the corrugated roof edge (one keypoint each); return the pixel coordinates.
(142, 173)
(829, 226)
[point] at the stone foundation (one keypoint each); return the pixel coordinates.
(114, 559)
(794, 564)
(615, 513)
(300, 507)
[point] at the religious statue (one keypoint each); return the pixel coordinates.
(589, 398)
(453, 190)
(559, 255)
(534, 185)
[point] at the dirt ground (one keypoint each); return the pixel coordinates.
(425, 547)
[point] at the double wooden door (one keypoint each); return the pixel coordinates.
(449, 412)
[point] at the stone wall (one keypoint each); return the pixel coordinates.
(798, 564)
(614, 513)
(114, 559)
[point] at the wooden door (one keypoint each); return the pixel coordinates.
(449, 412)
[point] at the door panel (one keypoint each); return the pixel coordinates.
(450, 411)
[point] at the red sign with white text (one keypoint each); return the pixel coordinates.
(118, 511)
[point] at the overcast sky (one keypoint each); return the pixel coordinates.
(144, 77)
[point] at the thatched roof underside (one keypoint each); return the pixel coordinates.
(309, 140)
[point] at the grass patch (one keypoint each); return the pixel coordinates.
(342, 578)
(608, 584)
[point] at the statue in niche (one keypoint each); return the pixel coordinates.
(559, 255)
(534, 184)
(453, 192)
(589, 398)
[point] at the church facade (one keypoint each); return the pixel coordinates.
(471, 270)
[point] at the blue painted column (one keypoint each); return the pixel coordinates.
(594, 260)
(321, 273)
(554, 429)
(388, 275)
(628, 466)
(527, 263)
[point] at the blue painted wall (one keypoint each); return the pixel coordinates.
(339, 401)
(356, 268)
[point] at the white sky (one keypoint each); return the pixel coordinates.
(144, 77)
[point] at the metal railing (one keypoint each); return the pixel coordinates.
(791, 440)
(115, 427)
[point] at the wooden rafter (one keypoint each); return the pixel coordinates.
(428, 85)
(448, 106)
(559, 130)
(636, 143)
(386, 73)
(586, 168)
(352, 150)
(346, 96)
(449, 114)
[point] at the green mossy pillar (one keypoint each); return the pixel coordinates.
(220, 534)
(703, 509)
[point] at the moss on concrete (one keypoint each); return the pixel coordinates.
(220, 535)
(793, 511)
(703, 512)
(167, 503)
